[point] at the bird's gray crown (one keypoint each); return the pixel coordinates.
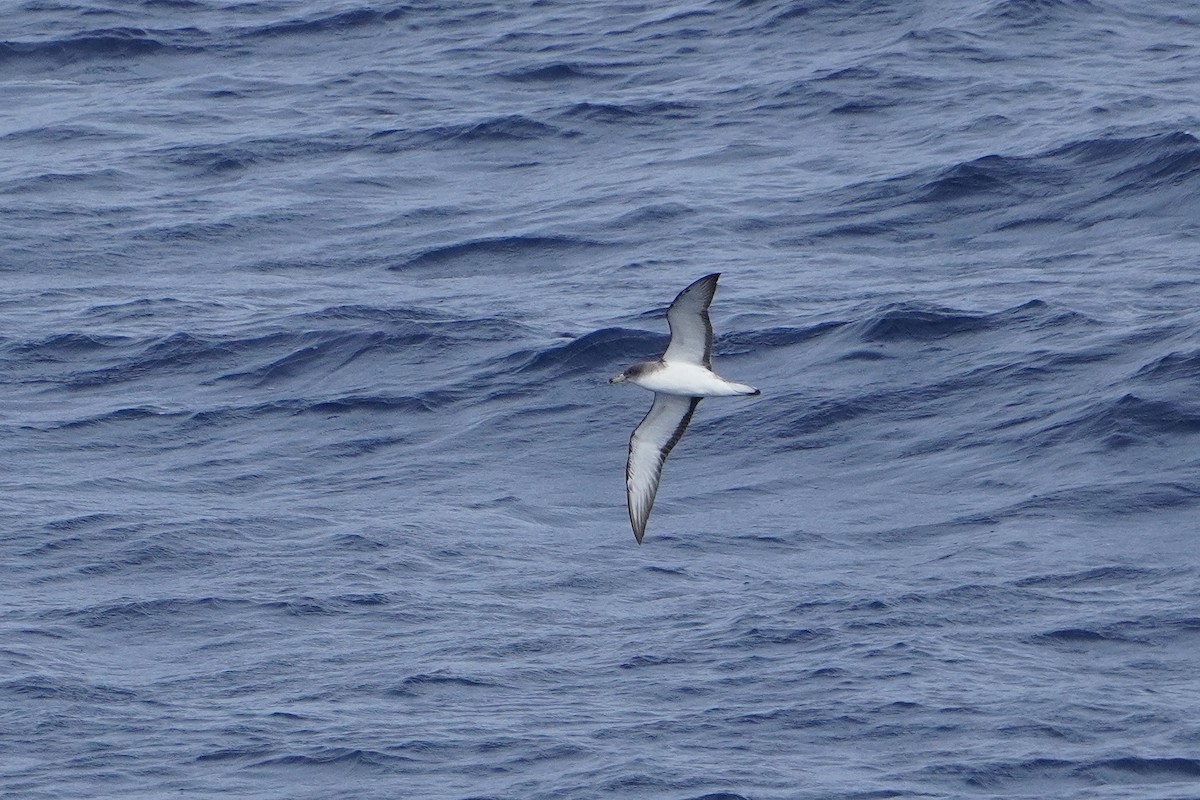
(636, 371)
(641, 369)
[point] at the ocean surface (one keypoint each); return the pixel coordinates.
(311, 477)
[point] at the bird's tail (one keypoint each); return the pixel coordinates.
(746, 389)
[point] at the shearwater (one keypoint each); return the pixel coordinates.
(679, 379)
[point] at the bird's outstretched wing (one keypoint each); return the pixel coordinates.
(649, 447)
(691, 332)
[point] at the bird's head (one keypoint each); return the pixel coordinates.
(634, 372)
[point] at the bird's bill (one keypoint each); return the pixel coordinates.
(617, 378)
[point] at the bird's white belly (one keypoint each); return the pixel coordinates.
(689, 380)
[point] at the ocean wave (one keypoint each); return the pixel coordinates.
(358, 312)
(1085, 636)
(653, 214)
(132, 359)
(1121, 421)
(1106, 576)
(765, 635)
(777, 336)
(63, 133)
(344, 757)
(1080, 773)
(591, 351)
(82, 522)
(1142, 769)
(79, 361)
(232, 414)
(325, 23)
(905, 322)
(985, 177)
(107, 43)
(504, 129)
(518, 253)
(218, 159)
(126, 414)
(908, 322)
(422, 403)
(508, 128)
(1137, 165)
(554, 72)
(1106, 499)
(207, 161)
(1174, 366)
(152, 612)
(425, 680)
(248, 413)
(1073, 186)
(888, 328)
(310, 354)
(646, 112)
(61, 346)
(1023, 13)
(56, 687)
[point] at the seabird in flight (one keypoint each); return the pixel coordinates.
(679, 380)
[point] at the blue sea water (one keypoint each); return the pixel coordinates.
(312, 478)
